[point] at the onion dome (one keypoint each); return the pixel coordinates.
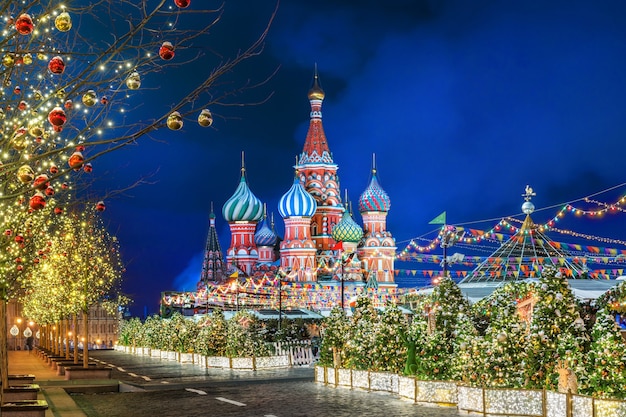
(374, 198)
(265, 235)
(297, 202)
(243, 205)
(347, 230)
(316, 92)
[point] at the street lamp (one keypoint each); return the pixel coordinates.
(343, 262)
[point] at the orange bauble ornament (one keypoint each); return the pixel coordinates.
(24, 24)
(56, 65)
(88, 168)
(100, 206)
(166, 51)
(57, 117)
(38, 201)
(182, 3)
(76, 161)
(40, 182)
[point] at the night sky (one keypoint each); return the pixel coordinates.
(464, 103)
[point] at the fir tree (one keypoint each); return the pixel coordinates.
(361, 335)
(389, 347)
(606, 360)
(556, 333)
(334, 334)
(212, 337)
(245, 338)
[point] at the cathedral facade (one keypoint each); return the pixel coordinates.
(321, 242)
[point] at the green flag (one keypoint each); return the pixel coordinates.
(441, 219)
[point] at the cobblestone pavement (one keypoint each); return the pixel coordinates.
(258, 399)
(167, 388)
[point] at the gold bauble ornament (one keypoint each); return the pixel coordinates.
(25, 174)
(37, 95)
(175, 121)
(19, 140)
(60, 94)
(35, 130)
(205, 118)
(63, 22)
(133, 81)
(90, 98)
(27, 58)
(8, 60)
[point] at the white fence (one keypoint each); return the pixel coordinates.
(300, 353)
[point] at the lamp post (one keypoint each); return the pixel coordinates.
(280, 276)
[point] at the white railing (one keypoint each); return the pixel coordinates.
(300, 353)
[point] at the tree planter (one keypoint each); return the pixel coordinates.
(20, 392)
(72, 373)
(185, 357)
(155, 353)
(25, 408)
(265, 362)
(439, 392)
(243, 363)
(217, 362)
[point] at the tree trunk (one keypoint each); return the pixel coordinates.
(4, 356)
(75, 320)
(67, 339)
(86, 342)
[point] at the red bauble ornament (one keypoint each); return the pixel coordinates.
(38, 201)
(80, 148)
(182, 3)
(40, 182)
(58, 210)
(166, 51)
(8, 232)
(100, 206)
(54, 169)
(24, 24)
(88, 168)
(68, 104)
(20, 267)
(76, 161)
(104, 100)
(65, 186)
(36, 260)
(17, 90)
(56, 65)
(19, 239)
(49, 191)
(57, 117)
(22, 106)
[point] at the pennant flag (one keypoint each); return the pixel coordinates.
(441, 219)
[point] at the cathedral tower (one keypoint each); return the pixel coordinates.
(318, 174)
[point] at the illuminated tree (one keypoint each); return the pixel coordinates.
(82, 265)
(212, 337)
(74, 76)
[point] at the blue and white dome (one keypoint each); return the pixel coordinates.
(265, 236)
(297, 202)
(243, 205)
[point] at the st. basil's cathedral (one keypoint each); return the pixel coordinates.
(322, 243)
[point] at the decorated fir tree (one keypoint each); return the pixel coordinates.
(557, 332)
(505, 342)
(361, 335)
(390, 349)
(212, 336)
(606, 362)
(245, 338)
(334, 334)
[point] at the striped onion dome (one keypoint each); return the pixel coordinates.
(243, 205)
(347, 230)
(297, 202)
(374, 198)
(265, 236)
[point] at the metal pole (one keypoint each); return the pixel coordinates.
(280, 301)
(342, 283)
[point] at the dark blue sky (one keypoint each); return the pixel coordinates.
(464, 103)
